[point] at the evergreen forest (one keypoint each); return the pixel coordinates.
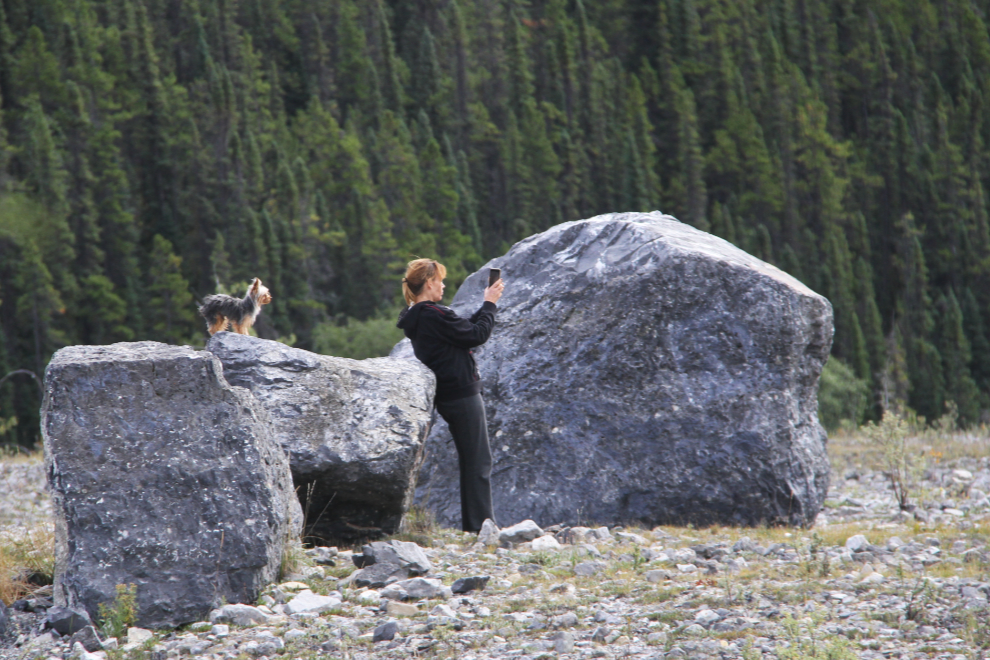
(155, 151)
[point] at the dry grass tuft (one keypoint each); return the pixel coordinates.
(419, 526)
(11, 454)
(27, 560)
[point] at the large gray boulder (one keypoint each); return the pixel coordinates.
(354, 429)
(642, 370)
(163, 476)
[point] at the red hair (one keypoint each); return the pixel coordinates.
(418, 273)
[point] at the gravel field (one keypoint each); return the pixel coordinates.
(867, 581)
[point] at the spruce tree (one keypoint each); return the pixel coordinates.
(426, 76)
(460, 54)
(975, 326)
(170, 308)
(391, 87)
(924, 364)
(48, 181)
(102, 313)
(954, 348)
(37, 308)
(693, 193)
(520, 77)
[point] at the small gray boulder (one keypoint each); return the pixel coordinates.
(89, 639)
(522, 532)
(354, 429)
(66, 621)
(404, 554)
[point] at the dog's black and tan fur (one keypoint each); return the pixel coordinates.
(221, 309)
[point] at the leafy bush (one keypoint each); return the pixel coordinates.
(118, 616)
(842, 397)
(891, 437)
(357, 339)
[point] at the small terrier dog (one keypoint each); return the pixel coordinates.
(221, 309)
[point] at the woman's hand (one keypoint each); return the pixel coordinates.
(494, 292)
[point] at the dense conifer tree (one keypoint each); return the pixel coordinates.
(148, 157)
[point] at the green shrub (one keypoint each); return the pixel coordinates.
(842, 397)
(357, 339)
(117, 617)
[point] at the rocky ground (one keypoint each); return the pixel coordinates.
(867, 581)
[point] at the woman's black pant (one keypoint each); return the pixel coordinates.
(466, 419)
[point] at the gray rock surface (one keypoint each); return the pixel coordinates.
(4, 618)
(514, 614)
(307, 601)
(239, 615)
(404, 554)
(377, 576)
(89, 639)
(385, 632)
(354, 429)
(642, 370)
(467, 584)
(527, 530)
(66, 621)
(162, 476)
(489, 533)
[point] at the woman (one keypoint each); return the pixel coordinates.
(443, 341)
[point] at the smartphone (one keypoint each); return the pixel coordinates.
(494, 275)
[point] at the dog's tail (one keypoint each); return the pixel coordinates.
(212, 312)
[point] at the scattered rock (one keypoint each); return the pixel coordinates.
(563, 642)
(500, 623)
(395, 608)
(657, 575)
(706, 617)
(79, 652)
(415, 589)
(139, 635)
(130, 512)
(628, 537)
(464, 585)
(377, 576)
(239, 615)
(307, 601)
(745, 544)
(88, 637)
(403, 554)
(589, 568)
(857, 543)
(545, 543)
(522, 532)
(385, 632)
(489, 533)
(353, 429)
(873, 578)
(718, 425)
(4, 618)
(66, 621)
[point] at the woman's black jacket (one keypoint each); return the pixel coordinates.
(443, 341)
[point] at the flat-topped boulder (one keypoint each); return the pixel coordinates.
(165, 477)
(642, 370)
(353, 429)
